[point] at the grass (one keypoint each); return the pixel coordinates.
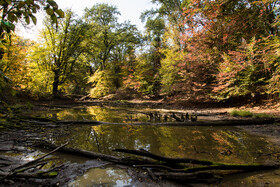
(241, 113)
(261, 115)
(246, 113)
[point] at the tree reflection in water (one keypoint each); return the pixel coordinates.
(223, 144)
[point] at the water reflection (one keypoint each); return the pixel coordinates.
(103, 177)
(111, 114)
(218, 144)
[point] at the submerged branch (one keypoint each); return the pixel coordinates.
(162, 164)
(162, 158)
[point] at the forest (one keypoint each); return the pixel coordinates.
(191, 50)
(191, 99)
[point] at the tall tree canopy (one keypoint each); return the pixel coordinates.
(62, 44)
(109, 45)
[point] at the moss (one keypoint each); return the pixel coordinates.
(241, 113)
(245, 113)
(53, 174)
(262, 115)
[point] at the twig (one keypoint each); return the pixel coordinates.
(16, 170)
(158, 166)
(42, 157)
(152, 174)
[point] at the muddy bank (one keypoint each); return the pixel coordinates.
(17, 148)
(271, 131)
(19, 142)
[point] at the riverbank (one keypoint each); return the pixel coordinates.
(271, 132)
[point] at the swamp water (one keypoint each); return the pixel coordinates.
(220, 144)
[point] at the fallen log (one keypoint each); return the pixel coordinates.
(93, 155)
(207, 165)
(229, 122)
(240, 122)
(85, 122)
(40, 158)
(28, 175)
(191, 173)
(164, 159)
(207, 178)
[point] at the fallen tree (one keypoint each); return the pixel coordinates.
(21, 171)
(231, 122)
(183, 169)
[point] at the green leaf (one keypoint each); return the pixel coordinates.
(54, 18)
(60, 13)
(54, 173)
(34, 19)
(52, 3)
(27, 20)
(29, 1)
(50, 11)
(8, 1)
(20, 4)
(8, 25)
(12, 17)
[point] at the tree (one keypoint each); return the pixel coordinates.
(106, 30)
(172, 11)
(110, 47)
(13, 63)
(216, 29)
(13, 10)
(155, 29)
(62, 45)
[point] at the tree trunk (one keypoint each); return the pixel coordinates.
(55, 84)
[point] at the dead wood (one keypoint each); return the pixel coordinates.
(185, 123)
(93, 155)
(85, 122)
(179, 122)
(162, 158)
(183, 173)
(208, 178)
(40, 158)
(25, 175)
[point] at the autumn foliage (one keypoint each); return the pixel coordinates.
(192, 50)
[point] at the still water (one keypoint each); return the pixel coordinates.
(220, 144)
